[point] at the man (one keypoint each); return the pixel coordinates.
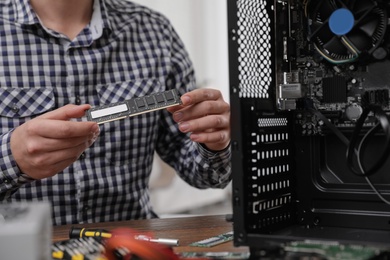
(59, 58)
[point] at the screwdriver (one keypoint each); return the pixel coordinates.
(102, 233)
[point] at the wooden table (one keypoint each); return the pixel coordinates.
(186, 229)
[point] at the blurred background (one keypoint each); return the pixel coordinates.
(202, 25)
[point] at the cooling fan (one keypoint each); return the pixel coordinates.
(345, 31)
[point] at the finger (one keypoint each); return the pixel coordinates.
(173, 109)
(217, 140)
(57, 129)
(57, 156)
(49, 164)
(197, 96)
(67, 112)
(200, 95)
(200, 110)
(204, 123)
(44, 145)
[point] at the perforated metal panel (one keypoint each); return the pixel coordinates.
(254, 49)
(262, 158)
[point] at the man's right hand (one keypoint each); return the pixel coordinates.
(49, 143)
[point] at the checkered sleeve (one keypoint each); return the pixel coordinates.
(195, 164)
(218, 168)
(11, 178)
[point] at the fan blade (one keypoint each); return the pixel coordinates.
(362, 6)
(321, 31)
(335, 46)
(325, 9)
(350, 4)
(368, 25)
(359, 40)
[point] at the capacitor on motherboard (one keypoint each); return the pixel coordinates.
(353, 112)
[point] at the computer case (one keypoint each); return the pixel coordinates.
(303, 87)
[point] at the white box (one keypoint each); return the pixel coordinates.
(25, 231)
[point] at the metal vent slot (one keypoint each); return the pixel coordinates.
(270, 179)
(271, 122)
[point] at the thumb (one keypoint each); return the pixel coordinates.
(67, 112)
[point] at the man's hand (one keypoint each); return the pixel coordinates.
(47, 144)
(206, 116)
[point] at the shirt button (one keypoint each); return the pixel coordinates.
(15, 109)
(78, 100)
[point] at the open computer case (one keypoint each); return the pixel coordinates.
(309, 95)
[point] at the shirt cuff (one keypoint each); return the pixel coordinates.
(210, 154)
(219, 165)
(11, 177)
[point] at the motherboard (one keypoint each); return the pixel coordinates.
(332, 58)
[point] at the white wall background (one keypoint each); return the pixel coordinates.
(202, 25)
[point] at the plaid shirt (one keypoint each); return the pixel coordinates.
(126, 51)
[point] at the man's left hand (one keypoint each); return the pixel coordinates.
(205, 115)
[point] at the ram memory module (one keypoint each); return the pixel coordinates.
(133, 107)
